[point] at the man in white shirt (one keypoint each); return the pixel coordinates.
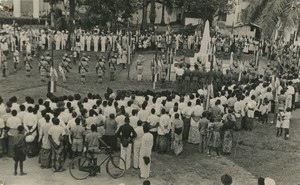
(162, 131)
(153, 120)
(30, 122)
(12, 123)
(137, 143)
(186, 113)
(56, 133)
(109, 110)
(133, 118)
(143, 114)
(21, 113)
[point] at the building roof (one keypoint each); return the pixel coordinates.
(246, 24)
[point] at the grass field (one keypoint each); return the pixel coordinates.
(259, 153)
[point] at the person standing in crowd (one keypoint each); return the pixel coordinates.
(286, 122)
(45, 153)
(162, 130)
(177, 130)
(145, 153)
(279, 122)
(250, 107)
(214, 137)
(55, 135)
(137, 143)
(203, 123)
(227, 128)
(77, 134)
(110, 126)
(126, 134)
(2, 134)
(19, 147)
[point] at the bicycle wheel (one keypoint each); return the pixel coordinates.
(80, 168)
(115, 167)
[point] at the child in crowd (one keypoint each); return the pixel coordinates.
(286, 123)
(19, 154)
(279, 122)
(264, 111)
(213, 137)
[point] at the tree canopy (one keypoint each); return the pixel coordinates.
(102, 11)
(208, 9)
(272, 15)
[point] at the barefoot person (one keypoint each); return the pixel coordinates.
(19, 154)
(145, 153)
(55, 134)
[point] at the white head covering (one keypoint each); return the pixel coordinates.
(269, 181)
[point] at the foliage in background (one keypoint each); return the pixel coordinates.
(209, 9)
(278, 13)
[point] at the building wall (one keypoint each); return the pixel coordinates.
(159, 8)
(26, 7)
(244, 31)
(235, 16)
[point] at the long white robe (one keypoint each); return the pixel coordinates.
(96, 42)
(146, 150)
(57, 38)
(82, 42)
(103, 42)
(88, 42)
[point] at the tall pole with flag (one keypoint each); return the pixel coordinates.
(53, 74)
(129, 51)
(211, 59)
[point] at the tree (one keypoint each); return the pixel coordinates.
(167, 5)
(152, 13)
(273, 15)
(208, 9)
(111, 11)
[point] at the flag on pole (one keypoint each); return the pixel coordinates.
(241, 69)
(53, 80)
(210, 94)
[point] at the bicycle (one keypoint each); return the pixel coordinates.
(83, 166)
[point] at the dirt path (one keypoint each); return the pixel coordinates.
(189, 168)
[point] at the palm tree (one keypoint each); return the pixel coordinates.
(274, 13)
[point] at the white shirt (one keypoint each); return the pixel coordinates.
(29, 120)
(56, 131)
(133, 121)
(143, 115)
(197, 110)
(153, 120)
(109, 110)
(164, 125)
(139, 134)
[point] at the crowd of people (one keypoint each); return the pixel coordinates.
(138, 123)
(141, 122)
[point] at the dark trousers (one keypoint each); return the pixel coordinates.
(111, 141)
(154, 140)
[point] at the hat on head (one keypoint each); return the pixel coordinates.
(269, 181)
(226, 179)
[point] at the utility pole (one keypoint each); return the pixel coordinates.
(156, 61)
(128, 51)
